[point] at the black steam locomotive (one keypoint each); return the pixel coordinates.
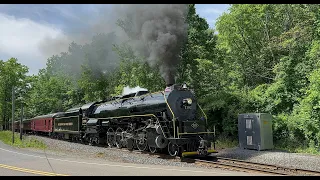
(169, 120)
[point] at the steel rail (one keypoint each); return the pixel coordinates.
(274, 167)
(256, 167)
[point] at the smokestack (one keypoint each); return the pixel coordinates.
(169, 78)
(168, 88)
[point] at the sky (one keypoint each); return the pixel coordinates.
(23, 27)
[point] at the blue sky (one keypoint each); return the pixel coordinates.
(24, 27)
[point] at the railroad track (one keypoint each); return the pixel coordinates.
(240, 165)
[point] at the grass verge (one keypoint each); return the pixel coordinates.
(26, 142)
(296, 147)
(224, 143)
(284, 145)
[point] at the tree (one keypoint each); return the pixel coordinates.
(13, 74)
(133, 71)
(200, 44)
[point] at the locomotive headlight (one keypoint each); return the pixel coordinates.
(189, 100)
(187, 103)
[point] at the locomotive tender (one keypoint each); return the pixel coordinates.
(168, 120)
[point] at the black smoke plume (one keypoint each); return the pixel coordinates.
(158, 32)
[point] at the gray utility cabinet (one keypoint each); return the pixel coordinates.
(255, 131)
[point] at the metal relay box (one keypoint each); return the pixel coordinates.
(255, 131)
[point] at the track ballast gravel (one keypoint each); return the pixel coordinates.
(274, 157)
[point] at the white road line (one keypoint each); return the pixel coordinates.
(114, 165)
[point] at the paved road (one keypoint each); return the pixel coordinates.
(9, 172)
(22, 162)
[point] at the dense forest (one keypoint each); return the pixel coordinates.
(259, 58)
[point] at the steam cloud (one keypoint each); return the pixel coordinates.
(158, 33)
(103, 23)
(94, 39)
(127, 90)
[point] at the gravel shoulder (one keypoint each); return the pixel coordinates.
(77, 150)
(292, 160)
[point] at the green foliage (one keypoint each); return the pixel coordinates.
(289, 92)
(200, 44)
(48, 95)
(12, 75)
(264, 58)
(225, 142)
(26, 142)
(134, 71)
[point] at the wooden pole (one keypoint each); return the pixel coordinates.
(12, 115)
(21, 123)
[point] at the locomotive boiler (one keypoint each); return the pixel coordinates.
(169, 120)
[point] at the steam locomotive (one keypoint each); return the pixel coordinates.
(169, 120)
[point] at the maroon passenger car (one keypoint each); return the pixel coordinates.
(43, 124)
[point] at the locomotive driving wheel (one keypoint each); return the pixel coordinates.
(110, 137)
(173, 149)
(129, 142)
(118, 138)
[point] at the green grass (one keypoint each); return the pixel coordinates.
(296, 147)
(308, 150)
(224, 143)
(288, 146)
(284, 145)
(27, 142)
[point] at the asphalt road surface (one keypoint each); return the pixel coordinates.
(22, 162)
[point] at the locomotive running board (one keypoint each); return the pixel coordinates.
(187, 133)
(196, 153)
